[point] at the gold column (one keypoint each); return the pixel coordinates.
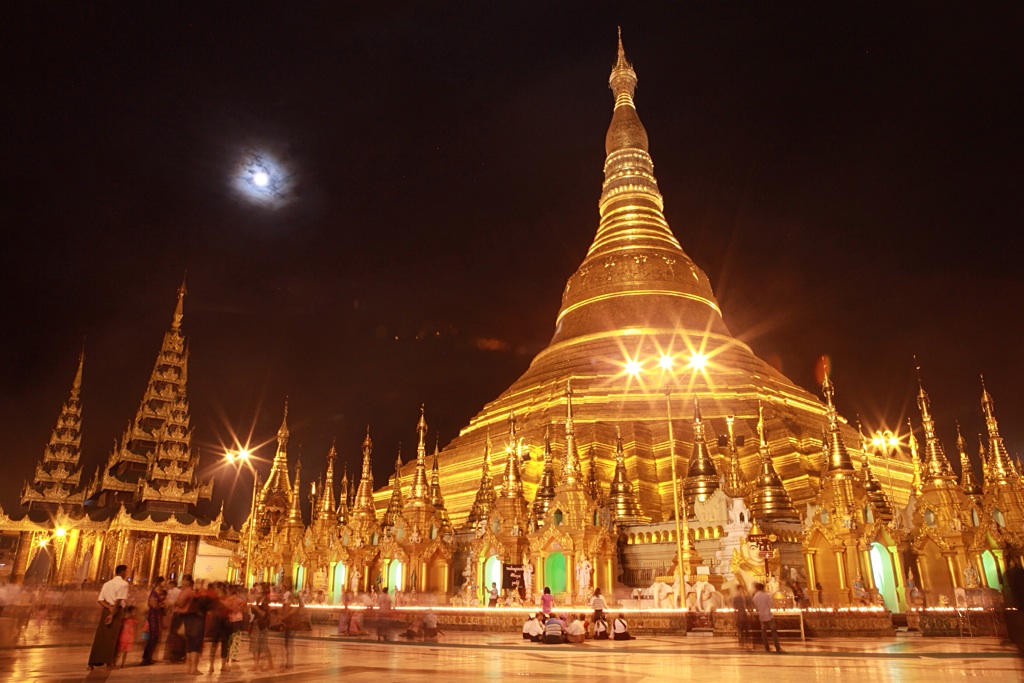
(96, 562)
(153, 558)
(953, 574)
(191, 549)
(165, 554)
(446, 582)
(21, 558)
(330, 578)
(866, 570)
(812, 576)
(897, 572)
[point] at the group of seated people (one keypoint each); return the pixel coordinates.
(555, 629)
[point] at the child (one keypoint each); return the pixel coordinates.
(127, 636)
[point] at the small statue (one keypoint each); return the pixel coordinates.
(860, 594)
(583, 576)
(415, 536)
(527, 577)
(971, 578)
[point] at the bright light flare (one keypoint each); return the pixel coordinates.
(666, 362)
(261, 178)
(634, 367)
(61, 531)
(698, 361)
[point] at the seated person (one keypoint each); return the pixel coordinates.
(415, 629)
(554, 631)
(575, 632)
(532, 628)
(430, 629)
(600, 630)
(620, 631)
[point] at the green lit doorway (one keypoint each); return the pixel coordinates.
(991, 567)
(881, 570)
(554, 573)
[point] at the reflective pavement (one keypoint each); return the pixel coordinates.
(464, 656)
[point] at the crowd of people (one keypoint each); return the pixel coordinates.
(553, 629)
(185, 617)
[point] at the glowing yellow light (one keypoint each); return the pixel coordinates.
(633, 367)
(698, 361)
(61, 531)
(244, 454)
(666, 362)
(877, 441)
(894, 442)
(43, 542)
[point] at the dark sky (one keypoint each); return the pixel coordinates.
(848, 174)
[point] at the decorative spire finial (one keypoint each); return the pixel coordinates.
(179, 309)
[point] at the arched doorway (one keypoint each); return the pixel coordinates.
(340, 575)
(492, 573)
(554, 573)
(395, 575)
(885, 582)
(935, 578)
(991, 567)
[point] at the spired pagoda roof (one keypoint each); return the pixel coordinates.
(638, 297)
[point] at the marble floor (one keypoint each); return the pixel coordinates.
(462, 656)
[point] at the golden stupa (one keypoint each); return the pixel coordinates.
(639, 326)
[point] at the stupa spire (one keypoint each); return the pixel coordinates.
(621, 497)
(872, 487)
(702, 478)
(936, 466)
(968, 483)
(915, 459)
(278, 484)
(1000, 466)
(436, 499)
(546, 487)
(393, 513)
(634, 248)
(512, 485)
(485, 499)
(179, 310)
(325, 505)
(362, 506)
(295, 509)
(343, 502)
(838, 457)
(733, 483)
(593, 484)
(770, 501)
(420, 491)
(572, 474)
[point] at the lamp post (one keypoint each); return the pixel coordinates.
(697, 362)
(675, 496)
(245, 457)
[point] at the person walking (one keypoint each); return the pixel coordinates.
(154, 619)
(112, 598)
(259, 645)
(598, 604)
(493, 602)
(763, 604)
(741, 613)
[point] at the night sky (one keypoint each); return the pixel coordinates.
(849, 175)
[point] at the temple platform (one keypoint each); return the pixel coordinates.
(810, 623)
(50, 654)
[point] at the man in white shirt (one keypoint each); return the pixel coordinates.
(112, 597)
(763, 604)
(576, 632)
